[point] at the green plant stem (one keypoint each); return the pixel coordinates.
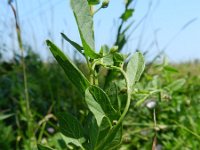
(155, 124)
(146, 96)
(90, 70)
(41, 132)
(93, 72)
(23, 64)
(154, 118)
(91, 10)
(22, 56)
(128, 101)
(126, 106)
(25, 82)
(49, 122)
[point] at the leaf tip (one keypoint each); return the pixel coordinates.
(62, 33)
(48, 42)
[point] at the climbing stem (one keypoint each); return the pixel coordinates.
(126, 107)
(128, 101)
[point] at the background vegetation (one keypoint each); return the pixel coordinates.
(174, 88)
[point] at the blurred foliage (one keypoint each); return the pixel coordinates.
(177, 109)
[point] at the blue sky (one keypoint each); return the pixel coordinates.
(164, 24)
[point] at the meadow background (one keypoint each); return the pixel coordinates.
(167, 32)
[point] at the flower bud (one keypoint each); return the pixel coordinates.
(114, 49)
(105, 4)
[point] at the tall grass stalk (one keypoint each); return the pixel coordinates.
(28, 112)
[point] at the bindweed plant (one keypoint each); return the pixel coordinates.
(107, 105)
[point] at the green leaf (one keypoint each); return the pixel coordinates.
(71, 129)
(97, 133)
(176, 85)
(118, 59)
(170, 68)
(74, 44)
(92, 127)
(70, 126)
(84, 21)
(104, 128)
(77, 142)
(56, 141)
(112, 92)
(135, 68)
(127, 14)
(104, 50)
(2, 116)
(93, 2)
(99, 104)
(112, 140)
(42, 147)
(72, 72)
(108, 60)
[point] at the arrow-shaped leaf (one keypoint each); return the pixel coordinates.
(72, 72)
